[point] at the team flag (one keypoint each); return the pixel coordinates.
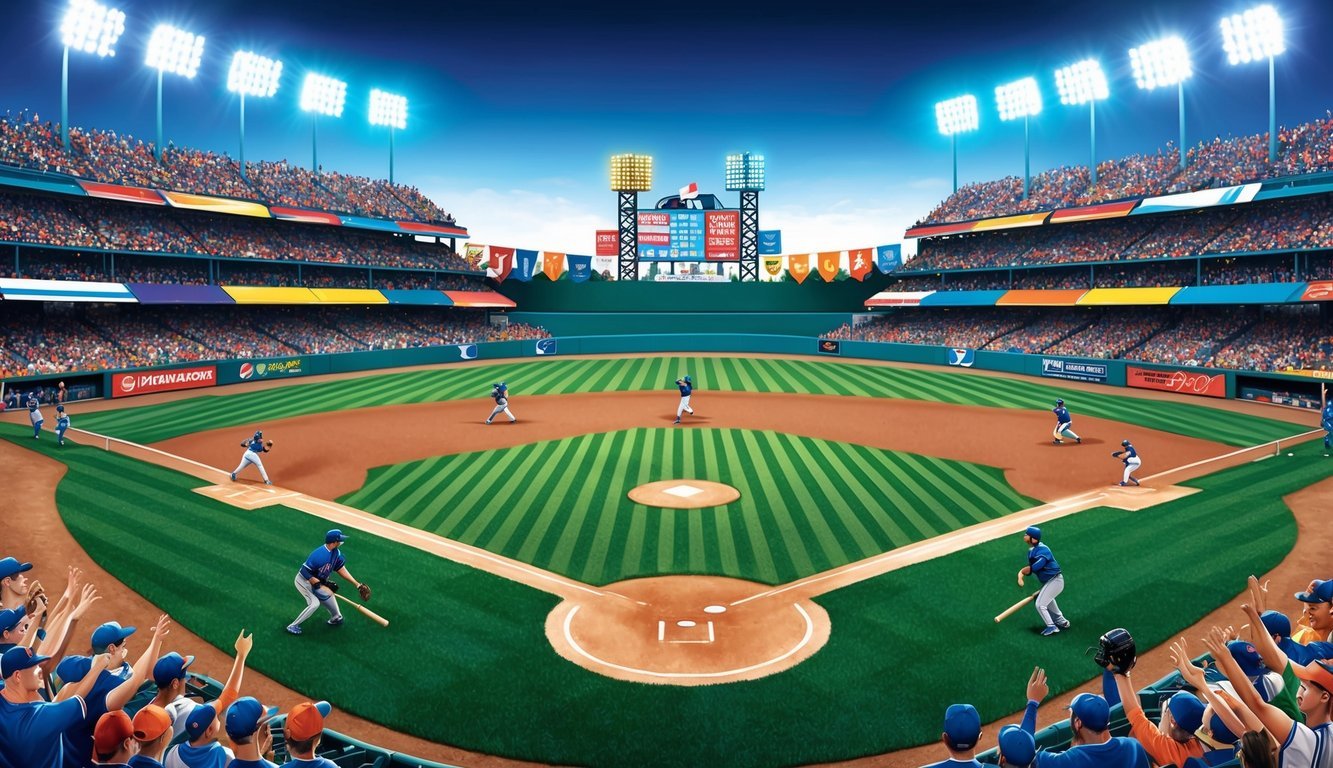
(553, 264)
(580, 268)
(799, 266)
(475, 254)
(689, 191)
(525, 263)
(502, 260)
(773, 265)
(828, 264)
(860, 262)
(888, 257)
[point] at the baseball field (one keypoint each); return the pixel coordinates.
(538, 613)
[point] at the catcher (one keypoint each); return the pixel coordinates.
(313, 582)
(253, 447)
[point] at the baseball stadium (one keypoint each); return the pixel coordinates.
(348, 465)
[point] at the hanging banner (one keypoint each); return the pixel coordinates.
(773, 265)
(525, 263)
(799, 266)
(580, 268)
(605, 266)
(475, 254)
(828, 264)
(608, 242)
(888, 257)
(859, 263)
(553, 264)
(501, 261)
(770, 242)
(722, 235)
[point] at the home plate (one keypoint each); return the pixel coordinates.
(684, 493)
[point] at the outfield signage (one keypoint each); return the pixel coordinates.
(148, 382)
(963, 358)
(1185, 382)
(830, 347)
(608, 242)
(291, 366)
(1057, 368)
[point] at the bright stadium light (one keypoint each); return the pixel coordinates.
(631, 173)
(745, 172)
(90, 27)
(252, 75)
(1084, 82)
(178, 52)
(1021, 98)
(390, 110)
(955, 116)
(321, 95)
(1160, 64)
(1253, 35)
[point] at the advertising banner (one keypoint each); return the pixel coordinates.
(829, 347)
(1057, 368)
(722, 235)
(608, 242)
(525, 264)
(888, 257)
(828, 264)
(290, 366)
(148, 382)
(501, 261)
(770, 242)
(605, 266)
(546, 346)
(963, 358)
(798, 264)
(580, 268)
(1319, 290)
(675, 235)
(859, 263)
(1185, 382)
(553, 264)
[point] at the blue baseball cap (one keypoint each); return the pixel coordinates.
(17, 659)
(170, 668)
(11, 567)
(1322, 592)
(1276, 623)
(1247, 656)
(245, 716)
(110, 633)
(1059, 401)
(200, 718)
(1220, 737)
(1186, 710)
(334, 535)
(1034, 532)
(10, 618)
(1092, 710)
(1017, 746)
(962, 725)
(72, 669)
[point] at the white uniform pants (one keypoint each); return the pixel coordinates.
(312, 602)
(251, 457)
(501, 406)
(1131, 466)
(1046, 607)
(684, 407)
(1065, 428)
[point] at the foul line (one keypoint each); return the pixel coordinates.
(1276, 443)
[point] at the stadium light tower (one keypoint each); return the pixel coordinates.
(1084, 82)
(175, 51)
(252, 75)
(1163, 63)
(321, 95)
(745, 174)
(630, 175)
(388, 109)
(90, 27)
(1021, 98)
(1250, 36)
(955, 116)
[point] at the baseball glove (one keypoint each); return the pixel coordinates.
(1116, 454)
(268, 443)
(1116, 651)
(364, 589)
(331, 586)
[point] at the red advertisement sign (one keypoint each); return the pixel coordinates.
(1185, 382)
(1319, 290)
(722, 236)
(655, 229)
(608, 242)
(147, 382)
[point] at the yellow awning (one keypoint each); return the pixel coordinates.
(252, 294)
(348, 296)
(1134, 297)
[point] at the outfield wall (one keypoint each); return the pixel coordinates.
(627, 323)
(635, 296)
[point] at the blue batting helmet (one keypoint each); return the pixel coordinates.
(1059, 401)
(1124, 442)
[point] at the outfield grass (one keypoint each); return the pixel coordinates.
(468, 650)
(150, 424)
(806, 505)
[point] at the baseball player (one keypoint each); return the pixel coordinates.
(62, 423)
(1327, 423)
(1041, 563)
(500, 393)
(1063, 424)
(253, 447)
(1131, 461)
(686, 387)
(312, 581)
(35, 415)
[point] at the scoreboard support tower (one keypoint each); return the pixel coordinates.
(749, 235)
(628, 218)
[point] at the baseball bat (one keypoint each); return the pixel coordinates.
(375, 617)
(1011, 610)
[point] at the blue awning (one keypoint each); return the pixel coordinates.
(947, 298)
(1257, 293)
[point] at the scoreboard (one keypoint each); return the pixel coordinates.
(689, 235)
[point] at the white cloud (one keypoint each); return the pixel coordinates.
(839, 226)
(525, 219)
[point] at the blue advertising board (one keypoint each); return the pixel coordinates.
(674, 235)
(770, 242)
(1078, 370)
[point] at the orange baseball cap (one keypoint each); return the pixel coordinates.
(151, 722)
(1316, 672)
(112, 729)
(306, 720)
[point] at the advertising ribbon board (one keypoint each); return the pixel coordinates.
(148, 382)
(1056, 368)
(1185, 382)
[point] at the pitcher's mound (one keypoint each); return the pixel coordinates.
(684, 494)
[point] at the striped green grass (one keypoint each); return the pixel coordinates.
(150, 424)
(806, 505)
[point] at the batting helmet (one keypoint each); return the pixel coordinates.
(687, 380)
(60, 408)
(1124, 442)
(258, 434)
(1059, 401)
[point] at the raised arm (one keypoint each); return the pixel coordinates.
(121, 694)
(1274, 657)
(232, 689)
(1194, 676)
(1275, 720)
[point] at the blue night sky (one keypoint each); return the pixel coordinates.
(514, 108)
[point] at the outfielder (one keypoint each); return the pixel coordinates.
(1327, 423)
(500, 393)
(62, 423)
(312, 581)
(35, 415)
(686, 387)
(1131, 461)
(1063, 424)
(253, 447)
(1041, 563)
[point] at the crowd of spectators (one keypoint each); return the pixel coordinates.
(1282, 338)
(1113, 334)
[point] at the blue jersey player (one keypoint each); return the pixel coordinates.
(1063, 424)
(62, 423)
(312, 581)
(686, 388)
(35, 416)
(500, 393)
(1131, 461)
(1327, 423)
(253, 447)
(1041, 563)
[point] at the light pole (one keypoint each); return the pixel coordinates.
(175, 51)
(321, 95)
(252, 75)
(391, 110)
(1250, 36)
(1084, 82)
(630, 175)
(1021, 98)
(90, 27)
(955, 116)
(745, 174)
(1163, 63)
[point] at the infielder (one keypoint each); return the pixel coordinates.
(500, 393)
(312, 581)
(1131, 461)
(1327, 424)
(1063, 424)
(62, 423)
(253, 447)
(1041, 563)
(686, 387)
(35, 415)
